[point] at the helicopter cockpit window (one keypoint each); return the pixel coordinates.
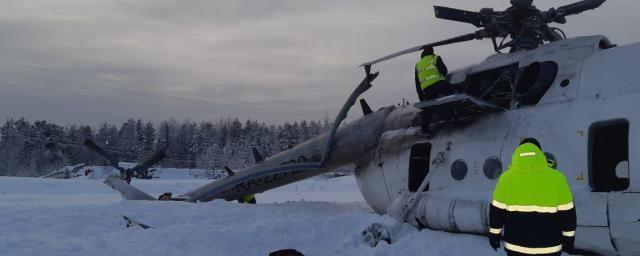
(511, 86)
(493, 85)
(535, 81)
(609, 156)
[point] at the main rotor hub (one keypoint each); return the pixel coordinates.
(526, 26)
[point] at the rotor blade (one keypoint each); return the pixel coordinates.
(579, 7)
(256, 155)
(126, 190)
(154, 159)
(229, 171)
(468, 37)
(397, 54)
(90, 144)
(447, 13)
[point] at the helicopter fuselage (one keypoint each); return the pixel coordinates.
(586, 119)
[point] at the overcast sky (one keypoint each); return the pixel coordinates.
(85, 61)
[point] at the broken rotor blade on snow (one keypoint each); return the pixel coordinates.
(132, 223)
(93, 146)
(77, 168)
(126, 190)
(154, 159)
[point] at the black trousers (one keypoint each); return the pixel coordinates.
(439, 89)
(512, 253)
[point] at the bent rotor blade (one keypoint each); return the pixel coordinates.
(458, 15)
(468, 37)
(90, 144)
(397, 54)
(154, 159)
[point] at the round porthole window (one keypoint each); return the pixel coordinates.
(459, 170)
(492, 168)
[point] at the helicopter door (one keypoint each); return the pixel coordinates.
(609, 156)
(419, 165)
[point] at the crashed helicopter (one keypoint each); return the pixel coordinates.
(578, 96)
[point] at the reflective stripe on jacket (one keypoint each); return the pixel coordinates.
(533, 203)
(428, 72)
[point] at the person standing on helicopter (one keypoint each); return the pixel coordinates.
(430, 74)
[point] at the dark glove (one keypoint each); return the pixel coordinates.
(567, 244)
(494, 241)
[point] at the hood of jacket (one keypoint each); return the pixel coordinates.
(528, 157)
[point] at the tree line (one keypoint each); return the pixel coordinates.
(36, 148)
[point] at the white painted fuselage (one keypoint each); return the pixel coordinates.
(602, 88)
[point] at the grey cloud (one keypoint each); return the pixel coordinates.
(92, 61)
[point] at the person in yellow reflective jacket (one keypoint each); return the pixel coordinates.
(532, 207)
(430, 75)
(250, 199)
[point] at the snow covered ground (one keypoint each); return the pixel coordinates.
(316, 217)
